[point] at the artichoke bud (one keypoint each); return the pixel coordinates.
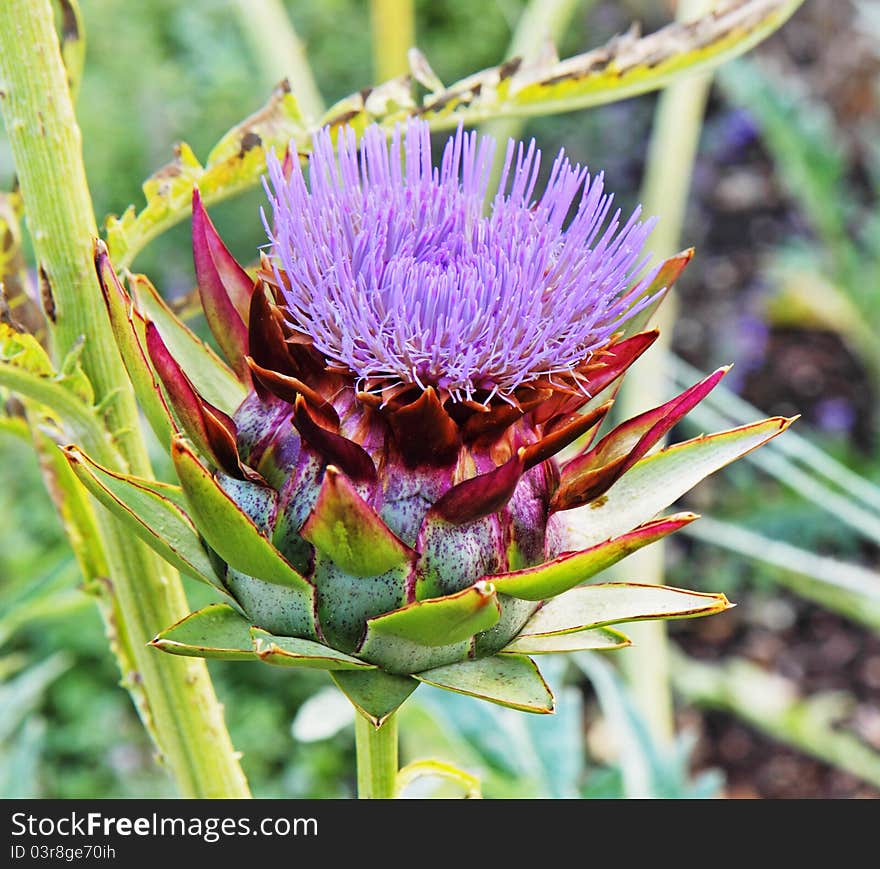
(389, 500)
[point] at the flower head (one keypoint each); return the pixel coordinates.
(373, 484)
(395, 272)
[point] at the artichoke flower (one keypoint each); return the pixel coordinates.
(373, 482)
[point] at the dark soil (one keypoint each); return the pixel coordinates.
(739, 215)
(817, 651)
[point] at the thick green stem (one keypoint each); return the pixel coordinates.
(175, 698)
(674, 139)
(278, 51)
(393, 26)
(376, 758)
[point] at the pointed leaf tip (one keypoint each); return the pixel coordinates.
(350, 532)
(351, 457)
(224, 287)
(215, 631)
(612, 603)
(373, 692)
(296, 652)
(482, 495)
(562, 435)
(595, 639)
(289, 389)
(661, 478)
(153, 511)
(594, 472)
(611, 365)
(440, 621)
(424, 432)
(572, 568)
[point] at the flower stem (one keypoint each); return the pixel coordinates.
(175, 698)
(376, 757)
(279, 52)
(393, 29)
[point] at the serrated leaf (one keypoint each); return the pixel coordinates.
(16, 296)
(14, 425)
(594, 639)
(25, 352)
(72, 376)
(374, 693)
(26, 368)
(670, 271)
(660, 479)
(216, 631)
(236, 163)
(509, 680)
(626, 66)
(73, 43)
(611, 603)
(572, 568)
(212, 377)
(295, 652)
(391, 99)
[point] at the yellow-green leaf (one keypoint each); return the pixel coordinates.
(623, 68)
(235, 164)
(215, 631)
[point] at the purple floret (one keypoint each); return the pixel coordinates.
(397, 273)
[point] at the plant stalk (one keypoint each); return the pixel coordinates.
(674, 139)
(376, 758)
(393, 26)
(279, 52)
(174, 697)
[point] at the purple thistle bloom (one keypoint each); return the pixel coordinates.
(395, 273)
